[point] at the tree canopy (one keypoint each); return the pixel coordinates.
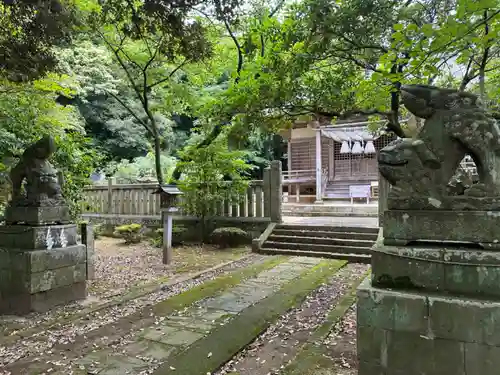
(143, 84)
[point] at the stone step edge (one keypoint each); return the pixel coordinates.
(329, 214)
(323, 234)
(312, 238)
(307, 357)
(226, 341)
(147, 289)
(356, 257)
(314, 247)
(329, 228)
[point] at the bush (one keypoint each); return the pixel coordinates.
(98, 230)
(131, 233)
(177, 234)
(229, 237)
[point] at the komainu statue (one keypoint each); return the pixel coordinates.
(456, 124)
(42, 187)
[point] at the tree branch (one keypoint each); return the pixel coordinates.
(468, 76)
(125, 69)
(484, 60)
(446, 45)
(238, 48)
(276, 8)
(129, 110)
(169, 76)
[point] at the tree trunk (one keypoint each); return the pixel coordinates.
(159, 171)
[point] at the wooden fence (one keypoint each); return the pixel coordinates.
(140, 199)
(262, 200)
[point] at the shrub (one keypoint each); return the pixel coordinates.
(177, 234)
(229, 237)
(98, 230)
(131, 233)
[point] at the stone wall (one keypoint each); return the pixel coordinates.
(410, 333)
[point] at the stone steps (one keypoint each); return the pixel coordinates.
(330, 241)
(355, 258)
(347, 243)
(331, 210)
(319, 233)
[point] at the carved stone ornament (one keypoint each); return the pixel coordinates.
(41, 187)
(455, 125)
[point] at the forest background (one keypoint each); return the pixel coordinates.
(157, 90)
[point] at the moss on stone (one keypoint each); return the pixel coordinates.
(215, 286)
(225, 341)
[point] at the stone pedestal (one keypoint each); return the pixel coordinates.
(416, 332)
(37, 215)
(431, 307)
(40, 267)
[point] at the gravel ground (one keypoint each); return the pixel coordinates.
(120, 267)
(278, 345)
(341, 344)
(59, 340)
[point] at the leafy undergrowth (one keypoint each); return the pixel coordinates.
(120, 267)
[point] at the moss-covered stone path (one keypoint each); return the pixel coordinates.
(192, 333)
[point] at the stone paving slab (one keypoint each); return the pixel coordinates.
(181, 330)
(106, 362)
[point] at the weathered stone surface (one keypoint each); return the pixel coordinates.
(367, 368)
(191, 323)
(384, 309)
(410, 352)
(42, 260)
(393, 266)
(446, 203)
(478, 227)
(455, 124)
(445, 269)
(466, 320)
(108, 363)
(372, 345)
(24, 303)
(149, 349)
(51, 279)
(232, 302)
(37, 237)
(413, 341)
(37, 215)
(43, 182)
(481, 359)
(44, 301)
(172, 335)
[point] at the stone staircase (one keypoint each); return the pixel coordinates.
(347, 243)
(339, 190)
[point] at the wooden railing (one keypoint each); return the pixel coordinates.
(297, 176)
(262, 200)
(140, 199)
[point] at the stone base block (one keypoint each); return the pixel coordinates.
(37, 215)
(22, 304)
(45, 237)
(39, 279)
(459, 203)
(462, 271)
(411, 333)
(402, 227)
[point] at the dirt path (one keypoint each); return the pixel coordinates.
(279, 344)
